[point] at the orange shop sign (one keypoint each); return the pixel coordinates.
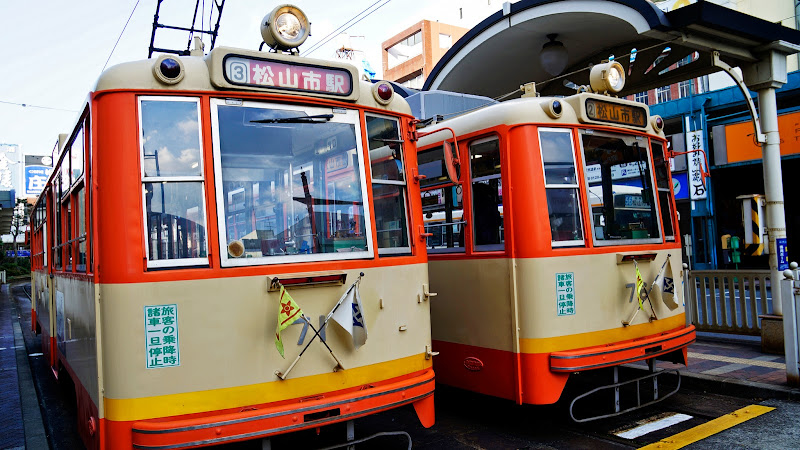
(742, 147)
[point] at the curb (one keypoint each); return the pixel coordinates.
(732, 386)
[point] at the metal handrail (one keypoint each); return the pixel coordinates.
(728, 301)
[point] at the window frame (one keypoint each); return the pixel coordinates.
(618, 242)
(176, 262)
(355, 118)
(500, 247)
(667, 190)
(577, 186)
(403, 183)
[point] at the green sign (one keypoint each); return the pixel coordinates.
(565, 294)
(161, 336)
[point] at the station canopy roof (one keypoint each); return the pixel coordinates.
(503, 52)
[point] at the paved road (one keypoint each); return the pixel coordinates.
(469, 421)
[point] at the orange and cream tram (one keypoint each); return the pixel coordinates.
(535, 242)
(199, 202)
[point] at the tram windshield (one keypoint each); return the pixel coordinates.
(620, 188)
(290, 183)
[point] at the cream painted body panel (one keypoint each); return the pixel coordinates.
(601, 296)
(200, 73)
(40, 296)
(474, 305)
(226, 331)
(80, 346)
(522, 111)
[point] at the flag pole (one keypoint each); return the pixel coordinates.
(339, 365)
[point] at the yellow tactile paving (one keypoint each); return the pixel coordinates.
(732, 360)
(707, 429)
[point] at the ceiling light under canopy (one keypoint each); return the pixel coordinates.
(553, 56)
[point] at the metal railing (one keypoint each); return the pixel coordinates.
(728, 301)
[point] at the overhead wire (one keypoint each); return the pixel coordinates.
(28, 105)
(344, 27)
(120, 35)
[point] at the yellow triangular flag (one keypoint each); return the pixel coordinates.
(639, 285)
(288, 313)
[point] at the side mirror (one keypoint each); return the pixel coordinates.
(451, 161)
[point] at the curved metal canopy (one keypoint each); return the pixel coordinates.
(502, 52)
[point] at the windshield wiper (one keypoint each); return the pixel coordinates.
(320, 118)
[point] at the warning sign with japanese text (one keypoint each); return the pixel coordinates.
(161, 336)
(565, 294)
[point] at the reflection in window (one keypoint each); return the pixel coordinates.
(388, 183)
(442, 206)
(661, 168)
(173, 182)
(170, 138)
(57, 231)
(80, 213)
(561, 184)
(620, 188)
(290, 184)
(487, 194)
(175, 215)
(77, 153)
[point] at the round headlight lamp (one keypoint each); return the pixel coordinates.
(285, 28)
(168, 69)
(608, 77)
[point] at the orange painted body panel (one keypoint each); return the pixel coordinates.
(539, 378)
(116, 245)
(262, 420)
(120, 201)
(478, 369)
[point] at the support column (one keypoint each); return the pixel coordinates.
(773, 188)
(765, 76)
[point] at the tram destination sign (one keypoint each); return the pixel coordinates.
(619, 113)
(287, 75)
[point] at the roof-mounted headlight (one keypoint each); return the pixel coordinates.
(168, 69)
(285, 28)
(608, 77)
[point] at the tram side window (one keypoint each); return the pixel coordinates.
(620, 189)
(661, 168)
(57, 232)
(388, 184)
(487, 194)
(442, 205)
(561, 186)
(173, 183)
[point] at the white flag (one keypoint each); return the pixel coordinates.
(350, 317)
(665, 286)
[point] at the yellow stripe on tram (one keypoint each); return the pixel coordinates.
(707, 429)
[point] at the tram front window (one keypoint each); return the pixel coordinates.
(620, 189)
(291, 184)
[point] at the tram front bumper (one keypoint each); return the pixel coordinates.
(617, 353)
(252, 423)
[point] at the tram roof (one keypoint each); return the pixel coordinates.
(591, 31)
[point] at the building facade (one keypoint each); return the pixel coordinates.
(409, 55)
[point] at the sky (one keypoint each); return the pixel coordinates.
(55, 50)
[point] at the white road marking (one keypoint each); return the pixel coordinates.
(649, 427)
